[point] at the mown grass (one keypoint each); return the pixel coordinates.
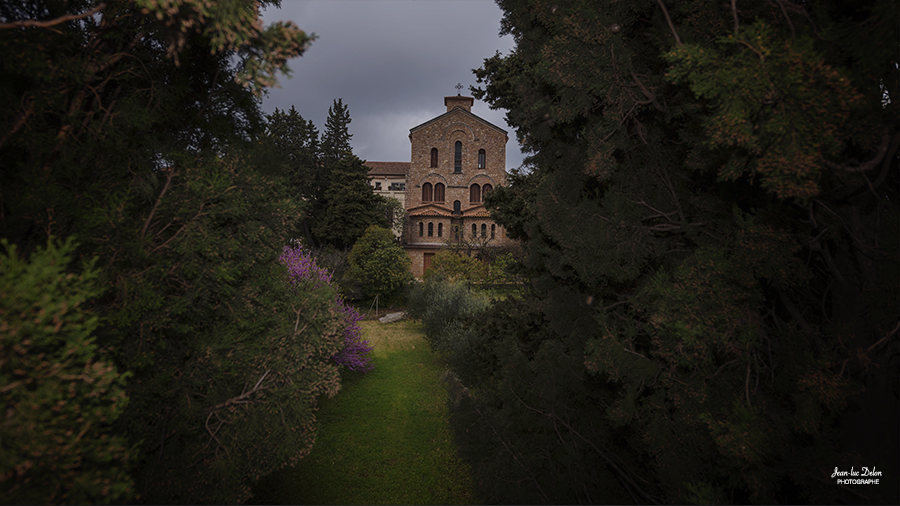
(385, 438)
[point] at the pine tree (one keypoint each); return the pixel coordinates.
(336, 139)
(350, 205)
(335, 147)
(295, 144)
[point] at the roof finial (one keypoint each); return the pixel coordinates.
(458, 88)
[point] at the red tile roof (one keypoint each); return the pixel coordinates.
(477, 212)
(429, 210)
(387, 168)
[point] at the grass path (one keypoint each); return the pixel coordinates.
(384, 439)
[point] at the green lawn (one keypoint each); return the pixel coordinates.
(384, 439)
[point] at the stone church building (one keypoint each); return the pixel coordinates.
(456, 159)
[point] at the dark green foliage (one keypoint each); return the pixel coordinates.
(212, 318)
(350, 205)
(379, 264)
(336, 138)
(447, 310)
(714, 284)
(294, 145)
(60, 392)
(128, 129)
(455, 267)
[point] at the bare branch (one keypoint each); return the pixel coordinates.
(737, 24)
(243, 396)
(787, 17)
(887, 141)
(180, 230)
(158, 200)
(669, 20)
(885, 338)
(726, 364)
(747, 385)
(51, 22)
(651, 97)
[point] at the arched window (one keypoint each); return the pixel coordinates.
(457, 207)
(434, 157)
(481, 159)
(474, 230)
(493, 227)
(474, 194)
(440, 230)
(457, 157)
(485, 189)
(439, 192)
(426, 192)
(483, 230)
(421, 229)
(430, 229)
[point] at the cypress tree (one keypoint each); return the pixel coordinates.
(710, 223)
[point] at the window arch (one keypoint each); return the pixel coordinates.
(439, 192)
(486, 188)
(474, 194)
(483, 230)
(421, 229)
(493, 227)
(457, 207)
(430, 229)
(427, 192)
(482, 159)
(440, 229)
(474, 230)
(434, 154)
(457, 157)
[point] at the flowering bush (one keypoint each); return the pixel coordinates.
(302, 268)
(355, 354)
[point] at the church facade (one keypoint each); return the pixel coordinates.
(456, 158)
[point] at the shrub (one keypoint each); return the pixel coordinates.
(379, 263)
(455, 267)
(447, 310)
(302, 268)
(58, 390)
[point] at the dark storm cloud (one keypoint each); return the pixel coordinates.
(392, 63)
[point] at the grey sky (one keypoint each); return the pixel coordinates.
(392, 62)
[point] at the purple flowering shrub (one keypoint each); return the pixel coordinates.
(302, 268)
(355, 354)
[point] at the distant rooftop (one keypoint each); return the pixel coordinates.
(387, 168)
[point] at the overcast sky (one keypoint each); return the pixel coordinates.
(392, 62)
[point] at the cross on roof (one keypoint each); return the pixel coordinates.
(458, 88)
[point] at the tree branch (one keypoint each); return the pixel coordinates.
(651, 97)
(158, 200)
(243, 396)
(737, 24)
(885, 338)
(887, 141)
(669, 20)
(51, 22)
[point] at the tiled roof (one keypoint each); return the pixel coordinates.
(476, 212)
(387, 168)
(429, 210)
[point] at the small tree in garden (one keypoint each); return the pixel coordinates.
(378, 263)
(302, 269)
